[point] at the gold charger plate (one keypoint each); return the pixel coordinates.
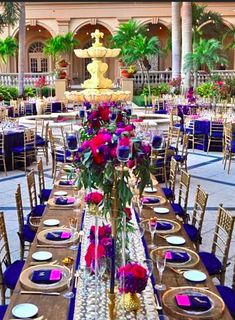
(162, 201)
(175, 224)
(26, 283)
(170, 306)
(194, 258)
(41, 237)
(51, 203)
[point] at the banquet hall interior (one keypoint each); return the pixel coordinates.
(117, 160)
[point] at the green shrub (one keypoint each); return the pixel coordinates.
(205, 89)
(138, 100)
(158, 90)
(5, 94)
(13, 91)
(47, 92)
(231, 85)
(29, 92)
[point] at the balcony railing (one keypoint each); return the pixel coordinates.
(11, 79)
(165, 76)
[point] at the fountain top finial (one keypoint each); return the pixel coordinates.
(97, 35)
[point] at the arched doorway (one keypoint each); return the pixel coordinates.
(160, 31)
(79, 70)
(35, 60)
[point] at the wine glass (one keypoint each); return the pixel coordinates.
(141, 230)
(149, 265)
(113, 115)
(73, 224)
(140, 206)
(152, 228)
(72, 140)
(161, 263)
(69, 294)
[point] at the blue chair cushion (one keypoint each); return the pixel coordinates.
(228, 295)
(2, 151)
(217, 135)
(190, 131)
(191, 231)
(45, 194)
(168, 193)
(159, 162)
(40, 141)
(12, 273)
(233, 146)
(28, 233)
(38, 210)
(180, 126)
(211, 262)
(180, 158)
(60, 156)
(3, 309)
(161, 111)
(20, 149)
(178, 209)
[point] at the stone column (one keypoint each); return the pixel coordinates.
(127, 84)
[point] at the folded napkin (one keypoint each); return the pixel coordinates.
(149, 200)
(163, 226)
(66, 183)
(58, 236)
(193, 302)
(176, 256)
(64, 201)
(46, 276)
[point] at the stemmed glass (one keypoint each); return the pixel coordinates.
(141, 230)
(161, 263)
(140, 206)
(73, 224)
(149, 265)
(124, 149)
(69, 294)
(101, 268)
(152, 228)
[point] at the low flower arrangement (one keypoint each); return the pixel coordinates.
(94, 198)
(135, 278)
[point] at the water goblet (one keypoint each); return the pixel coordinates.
(161, 263)
(141, 230)
(149, 265)
(152, 228)
(73, 224)
(69, 294)
(140, 207)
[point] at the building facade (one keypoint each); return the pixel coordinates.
(45, 20)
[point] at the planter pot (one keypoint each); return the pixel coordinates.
(126, 74)
(63, 64)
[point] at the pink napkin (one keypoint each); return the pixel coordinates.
(183, 300)
(55, 275)
(65, 235)
(70, 200)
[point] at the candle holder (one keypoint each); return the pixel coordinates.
(112, 306)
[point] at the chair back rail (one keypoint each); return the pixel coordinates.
(32, 189)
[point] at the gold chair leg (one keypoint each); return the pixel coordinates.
(12, 161)
(208, 147)
(229, 162)
(4, 165)
(3, 294)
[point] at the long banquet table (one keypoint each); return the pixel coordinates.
(54, 307)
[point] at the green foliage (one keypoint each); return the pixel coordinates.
(205, 89)
(29, 92)
(13, 91)
(231, 84)
(4, 93)
(47, 92)
(60, 44)
(10, 14)
(8, 48)
(138, 100)
(207, 53)
(8, 93)
(158, 90)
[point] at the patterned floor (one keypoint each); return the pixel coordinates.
(206, 170)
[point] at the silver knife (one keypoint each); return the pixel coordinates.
(40, 293)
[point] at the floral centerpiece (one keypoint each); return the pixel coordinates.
(104, 244)
(94, 200)
(39, 84)
(190, 96)
(133, 279)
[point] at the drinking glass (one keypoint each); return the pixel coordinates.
(156, 140)
(149, 265)
(73, 224)
(69, 294)
(140, 207)
(142, 230)
(161, 263)
(113, 115)
(72, 140)
(124, 149)
(152, 228)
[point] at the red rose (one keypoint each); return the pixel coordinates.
(138, 271)
(128, 213)
(130, 164)
(90, 254)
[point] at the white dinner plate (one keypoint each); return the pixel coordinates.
(176, 240)
(161, 210)
(60, 193)
(51, 222)
(150, 189)
(25, 310)
(64, 177)
(194, 275)
(42, 255)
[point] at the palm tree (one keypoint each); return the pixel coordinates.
(58, 45)
(21, 59)
(207, 53)
(186, 12)
(175, 38)
(139, 49)
(8, 48)
(10, 14)
(199, 16)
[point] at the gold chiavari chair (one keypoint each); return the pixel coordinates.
(173, 136)
(220, 245)
(169, 191)
(228, 294)
(41, 138)
(37, 210)
(2, 152)
(16, 108)
(180, 208)
(9, 272)
(25, 232)
(48, 107)
(182, 155)
(194, 229)
(197, 137)
(3, 114)
(229, 146)
(44, 193)
(28, 150)
(216, 134)
(64, 105)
